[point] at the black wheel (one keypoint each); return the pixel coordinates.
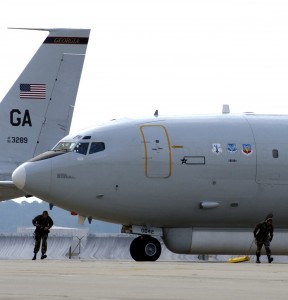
(136, 249)
(145, 248)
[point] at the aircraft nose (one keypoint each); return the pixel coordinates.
(19, 177)
(34, 178)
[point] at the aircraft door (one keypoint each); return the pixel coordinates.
(157, 151)
(272, 164)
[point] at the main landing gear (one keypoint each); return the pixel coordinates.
(145, 248)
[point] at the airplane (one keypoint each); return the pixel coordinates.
(37, 110)
(200, 183)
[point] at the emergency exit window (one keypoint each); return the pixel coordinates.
(275, 153)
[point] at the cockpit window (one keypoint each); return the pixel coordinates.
(96, 147)
(81, 148)
(64, 146)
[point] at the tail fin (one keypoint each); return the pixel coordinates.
(37, 111)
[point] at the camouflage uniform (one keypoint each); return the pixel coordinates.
(263, 234)
(43, 223)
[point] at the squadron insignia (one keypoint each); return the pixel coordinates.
(231, 148)
(247, 149)
(216, 148)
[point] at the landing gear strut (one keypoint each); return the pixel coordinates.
(145, 248)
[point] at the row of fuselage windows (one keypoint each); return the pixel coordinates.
(82, 148)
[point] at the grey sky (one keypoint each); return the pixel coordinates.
(181, 57)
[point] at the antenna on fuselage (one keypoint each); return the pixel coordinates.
(225, 109)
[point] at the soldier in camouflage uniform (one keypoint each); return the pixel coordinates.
(43, 224)
(263, 234)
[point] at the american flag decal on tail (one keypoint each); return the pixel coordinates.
(32, 91)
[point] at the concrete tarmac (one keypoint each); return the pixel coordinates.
(76, 279)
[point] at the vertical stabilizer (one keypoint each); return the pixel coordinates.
(37, 110)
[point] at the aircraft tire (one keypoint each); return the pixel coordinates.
(145, 248)
(135, 249)
(152, 248)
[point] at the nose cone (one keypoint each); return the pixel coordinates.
(34, 178)
(19, 177)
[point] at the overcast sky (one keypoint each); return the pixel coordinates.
(180, 57)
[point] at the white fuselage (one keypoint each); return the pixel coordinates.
(219, 171)
(202, 183)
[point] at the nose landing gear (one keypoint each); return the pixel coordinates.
(145, 248)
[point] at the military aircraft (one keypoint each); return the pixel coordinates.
(201, 183)
(37, 110)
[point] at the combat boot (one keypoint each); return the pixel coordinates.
(34, 257)
(258, 259)
(43, 256)
(270, 259)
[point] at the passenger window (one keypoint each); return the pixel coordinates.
(81, 148)
(275, 153)
(96, 147)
